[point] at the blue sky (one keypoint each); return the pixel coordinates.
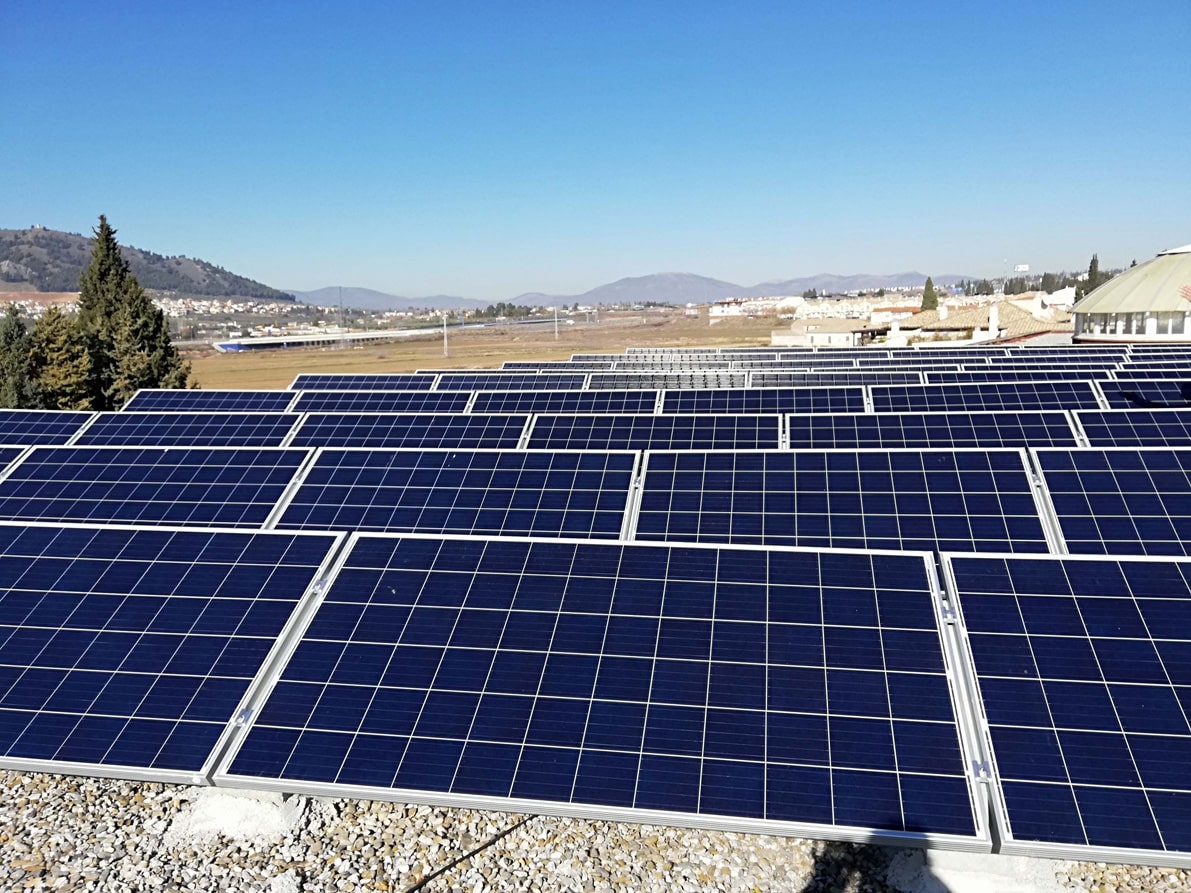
(490, 148)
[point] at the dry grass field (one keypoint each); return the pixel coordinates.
(483, 348)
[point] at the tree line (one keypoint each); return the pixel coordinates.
(117, 343)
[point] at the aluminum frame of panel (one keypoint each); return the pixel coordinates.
(1006, 842)
(297, 619)
(966, 737)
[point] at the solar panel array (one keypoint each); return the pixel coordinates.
(860, 594)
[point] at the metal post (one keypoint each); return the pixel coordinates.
(445, 352)
(555, 323)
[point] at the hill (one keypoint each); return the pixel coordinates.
(370, 299)
(50, 260)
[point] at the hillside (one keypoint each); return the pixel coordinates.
(49, 260)
(370, 299)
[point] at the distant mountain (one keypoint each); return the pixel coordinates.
(50, 260)
(369, 299)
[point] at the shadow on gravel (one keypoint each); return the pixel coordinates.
(860, 868)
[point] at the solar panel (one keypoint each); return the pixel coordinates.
(465, 491)
(210, 486)
(24, 426)
(930, 429)
(1133, 374)
(645, 432)
(1143, 394)
(382, 401)
(990, 396)
(8, 455)
(667, 381)
(1121, 501)
(1137, 427)
(1082, 671)
(778, 691)
(351, 382)
(995, 373)
(231, 429)
(127, 652)
(555, 366)
(410, 430)
(957, 500)
(193, 400)
(856, 377)
(650, 364)
(760, 400)
(565, 401)
(508, 381)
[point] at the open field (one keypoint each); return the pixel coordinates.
(478, 348)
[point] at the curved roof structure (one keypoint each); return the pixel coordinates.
(1160, 284)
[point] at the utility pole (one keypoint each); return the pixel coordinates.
(342, 333)
(445, 352)
(556, 323)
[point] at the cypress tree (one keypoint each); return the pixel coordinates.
(930, 298)
(61, 362)
(18, 387)
(126, 337)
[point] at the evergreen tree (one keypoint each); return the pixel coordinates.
(930, 298)
(1093, 273)
(126, 337)
(61, 362)
(18, 387)
(1049, 283)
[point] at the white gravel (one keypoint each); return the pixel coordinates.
(64, 833)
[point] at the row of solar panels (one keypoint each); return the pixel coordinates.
(595, 381)
(943, 364)
(1016, 426)
(1089, 501)
(824, 693)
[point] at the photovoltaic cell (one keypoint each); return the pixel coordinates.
(348, 382)
(208, 486)
(762, 400)
(990, 396)
(26, 426)
(1139, 394)
(191, 429)
(565, 401)
(1137, 427)
(969, 501)
(128, 651)
(771, 690)
(930, 429)
(410, 430)
(645, 432)
(465, 491)
(194, 400)
(1121, 501)
(1083, 677)
(382, 401)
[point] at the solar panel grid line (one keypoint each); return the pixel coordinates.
(597, 401)
(162, 428)
(348, 381)
(291, 489)
(1167, 426)
(1077, 685)
(1145, 393)
(1127, 374)
(73, 439)
(592, 751)
(379, 429)
(133, 664)
(947, 428)
(10, 458)
(1035, 394)
(225, 400)
(21, 427)
(381, 401)
(667, 431)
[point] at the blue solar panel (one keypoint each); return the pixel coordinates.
(152, 485)
(128, 652)
(1138, 394)
(349, 382)
(1143, 374)
(994, 373)
(508, 381)
(459, 491)
(930, 429)
(228, 429)
(410, 430)
(645, 432)
(192, 400)
(1084, 679)
(565, 401)
(956, 500)
(25, 426)
(761, 400)
(382, 401)
(989, 396)
(1121, 501)
(1137, 427)
(667, 380)
(855, 377)
(8, 455)
(776, 690)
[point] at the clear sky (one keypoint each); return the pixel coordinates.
(491, 148)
